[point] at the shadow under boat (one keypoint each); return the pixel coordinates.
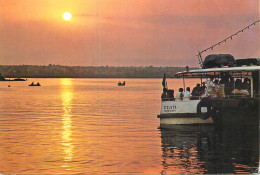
(195, 149)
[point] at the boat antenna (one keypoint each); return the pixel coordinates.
(225, 40)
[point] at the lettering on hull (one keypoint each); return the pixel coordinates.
(171, 108)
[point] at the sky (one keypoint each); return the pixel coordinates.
(125, 32)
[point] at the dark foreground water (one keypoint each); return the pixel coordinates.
(92, 126)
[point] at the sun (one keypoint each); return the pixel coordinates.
(67, 16)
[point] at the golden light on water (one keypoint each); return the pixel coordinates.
(65, 81)
(67, 96)
(67, 16)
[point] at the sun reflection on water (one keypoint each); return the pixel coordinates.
(67, 96)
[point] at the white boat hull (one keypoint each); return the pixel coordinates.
(181, 112)
(186, 121)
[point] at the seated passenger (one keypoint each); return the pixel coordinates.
(246, 84)
(196, 91)
(203, 88)
(170, 94)
(239, 88)
(187, 94)
(212, 91)
(164, 94)
(179, 95)
(238, 84)
(229, 86)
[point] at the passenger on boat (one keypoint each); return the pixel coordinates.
(238, 84)
(170, 94)
(212, 88)
(196, 92)
(210, 82)
(179, 95)
(164, 94)
(239, 88)
(203, 88)
(246, 84)
(216, 82)
(187, 94)
(229, 86)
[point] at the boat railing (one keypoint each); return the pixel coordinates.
(233, 96)
(238, 96)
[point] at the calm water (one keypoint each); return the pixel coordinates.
(70, 126)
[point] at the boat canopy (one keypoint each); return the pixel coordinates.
(216, 72)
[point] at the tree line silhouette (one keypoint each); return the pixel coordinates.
(58, 71)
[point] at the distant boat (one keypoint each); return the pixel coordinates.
(32, 84)
(16, 79)
(121, 84)
(19, 79)
(9, 85)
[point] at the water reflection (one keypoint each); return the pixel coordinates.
(203, 149)
(180, 151)
(67, 96)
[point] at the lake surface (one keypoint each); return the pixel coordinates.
(92, 126)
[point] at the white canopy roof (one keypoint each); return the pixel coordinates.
(217, 71)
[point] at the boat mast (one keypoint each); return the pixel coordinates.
(225, 40)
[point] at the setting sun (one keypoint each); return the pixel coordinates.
(67, 16)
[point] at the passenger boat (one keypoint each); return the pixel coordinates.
(181, 111)
(226, 95)
(229, 94)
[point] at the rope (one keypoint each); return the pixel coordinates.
(225, 40)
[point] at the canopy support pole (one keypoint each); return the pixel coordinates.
(252, 87)
(183, 82)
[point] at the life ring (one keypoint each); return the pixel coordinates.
(204, 108)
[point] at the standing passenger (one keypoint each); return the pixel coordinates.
(164, 95)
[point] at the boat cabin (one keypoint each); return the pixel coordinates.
(228, 82)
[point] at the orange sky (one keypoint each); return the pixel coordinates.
(124, 32)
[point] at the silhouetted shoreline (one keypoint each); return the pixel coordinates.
(58, 71)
